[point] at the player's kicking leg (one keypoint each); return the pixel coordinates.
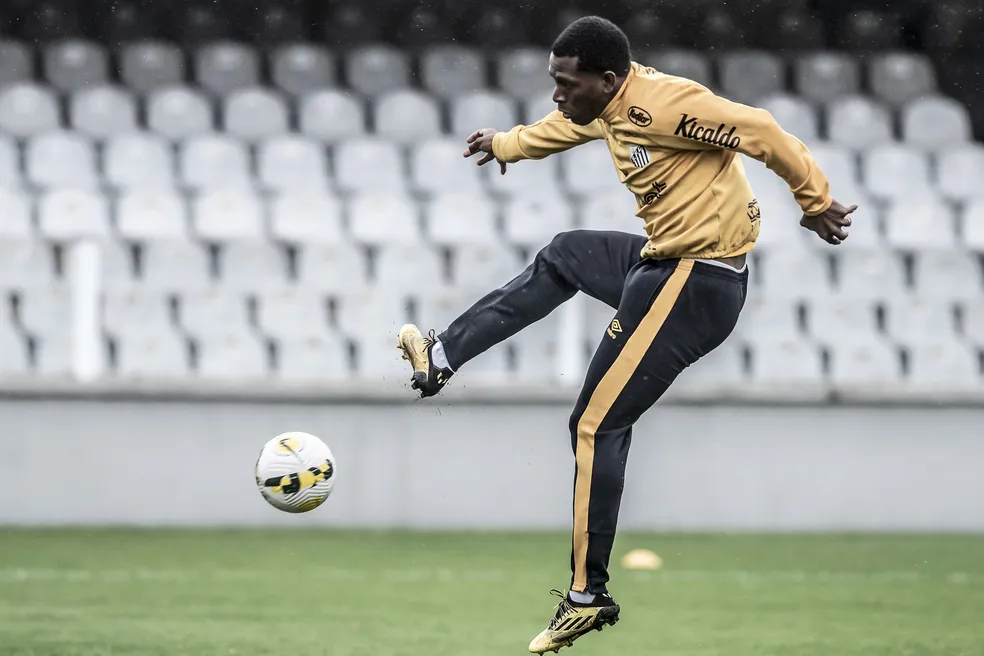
(671, 313)
(595, 262)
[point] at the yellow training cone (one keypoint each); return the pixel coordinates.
(641, 559)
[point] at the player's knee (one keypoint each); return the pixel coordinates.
(559, 247)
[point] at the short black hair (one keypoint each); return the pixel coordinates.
(599, 45)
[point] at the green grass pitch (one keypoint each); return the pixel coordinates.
(341, 593)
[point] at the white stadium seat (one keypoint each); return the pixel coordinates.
(179, 112)
(959, 171)
(252, 266)
(841, 319)
(944, 363)
(287, 313)
(305, 217)
(457, 217)
(214, 161)
(483, 267)
(870, 363)
(333, 267)
(152, 355)
(951, 274)
(68, 214)
(915, 319)
(785, 362)
(255, 113)
(378, 219)
(406, 116)
(437, 166)
(232, 357)
(767, 315)
(138, 160)
(213, 312)
(174, 265)
(229, 214)
(61, 159)
(533, 219)
(354, 157)
(312, 359)
(406, 269)
(151, 214)
(103, 111)
(920, 224)
(893, 172)
(292, 163)
(330, 116)
(869, 273)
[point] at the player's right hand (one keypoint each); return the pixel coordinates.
(481, 141)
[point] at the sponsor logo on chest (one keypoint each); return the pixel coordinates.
(722, 136)
(639, 116)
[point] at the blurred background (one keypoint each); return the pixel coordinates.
(218, 214)
(214, 217)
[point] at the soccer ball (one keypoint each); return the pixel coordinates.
(295, 472)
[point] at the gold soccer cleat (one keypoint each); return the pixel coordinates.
(416, 348)
(573, 620)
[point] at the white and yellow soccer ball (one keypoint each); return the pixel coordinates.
(295, 472)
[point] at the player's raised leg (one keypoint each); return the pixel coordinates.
(672, 313)
(594, 262)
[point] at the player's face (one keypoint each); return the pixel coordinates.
(580, 95)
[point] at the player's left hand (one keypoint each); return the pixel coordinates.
(481, 141)
(830, 224)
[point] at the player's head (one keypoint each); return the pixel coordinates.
(588, 62)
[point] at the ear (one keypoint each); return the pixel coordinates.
(609, 79)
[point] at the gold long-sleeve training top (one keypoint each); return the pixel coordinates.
(675, 145)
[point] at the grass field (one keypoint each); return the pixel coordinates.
(255, 593)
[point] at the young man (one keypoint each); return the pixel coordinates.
(677, 289)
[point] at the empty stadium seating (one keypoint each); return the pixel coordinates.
(275, 214)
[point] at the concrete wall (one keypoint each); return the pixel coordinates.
(461, 464)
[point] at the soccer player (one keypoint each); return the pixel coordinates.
(677, 289)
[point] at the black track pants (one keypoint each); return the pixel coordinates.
(669, 313)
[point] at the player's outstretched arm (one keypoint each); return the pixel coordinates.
(551, 134)
(696, 118)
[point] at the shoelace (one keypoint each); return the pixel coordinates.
(564, 609)
(430, 339)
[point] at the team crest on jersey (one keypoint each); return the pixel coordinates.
(639, 155)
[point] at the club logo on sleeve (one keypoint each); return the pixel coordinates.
(688, 128)
(639, 116)
(754, 213)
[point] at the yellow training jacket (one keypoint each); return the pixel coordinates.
(675, 145)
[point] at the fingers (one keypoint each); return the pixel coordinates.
(836, 232)
(485, 160)
(473, 143)
(473, 147)
(502, 168)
